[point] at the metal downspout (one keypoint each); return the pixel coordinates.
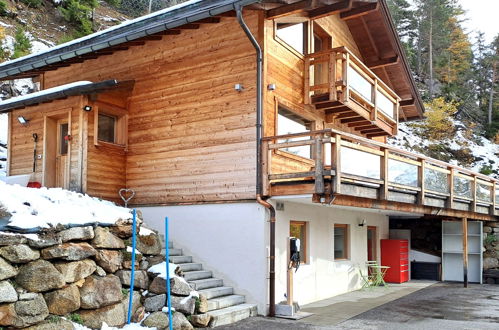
(259, 131)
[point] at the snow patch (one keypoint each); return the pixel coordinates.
(49, 207)
(160, 269)
(130, 250)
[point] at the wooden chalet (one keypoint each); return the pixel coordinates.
(167, 105)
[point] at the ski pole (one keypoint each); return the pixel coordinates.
(132, 276)
(168, 294)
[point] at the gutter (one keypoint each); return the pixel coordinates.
(259, 133)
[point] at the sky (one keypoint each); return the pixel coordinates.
(482, 16)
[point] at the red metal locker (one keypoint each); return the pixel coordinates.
(395, 254)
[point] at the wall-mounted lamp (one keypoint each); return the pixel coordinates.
(271, 87)
(87, 108)
(239, 87)
(23, 121)
(362, 222)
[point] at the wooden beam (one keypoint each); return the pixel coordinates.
(288, 9)
(383, 62)
(406, 103)
(330, 9)
(231, 13)
(352, 120)
(465, 252)
(360, 123)
(359, 11)
(371, 135)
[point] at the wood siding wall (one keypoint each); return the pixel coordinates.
(191, 136)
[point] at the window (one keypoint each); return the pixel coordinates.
(294, 34)
(290, 123)
(107, 128)
(298, 229)
(340, 242)
(110, 125)
(63, 140)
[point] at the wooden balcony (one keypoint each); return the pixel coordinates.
(341, 168)
(337, 82)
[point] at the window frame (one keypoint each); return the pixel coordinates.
(304, 259)
(120, 127)
(312, 122)
(346, 241)
(306, 34)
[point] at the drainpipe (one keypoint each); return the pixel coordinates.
(259, 116)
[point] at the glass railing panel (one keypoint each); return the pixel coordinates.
(359, 84)
(435, 180)
(483, 192)
(402, 173)
(462, 187)
(360, 163)
(385, 104)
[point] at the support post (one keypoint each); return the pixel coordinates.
(465, 252)
(306, 81)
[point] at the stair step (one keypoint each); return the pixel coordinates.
(197, 275)
(191, 266)
(180, 259)
(226, 301)
(206, 283)
(217, 292)
(175, 252)
(232, 314)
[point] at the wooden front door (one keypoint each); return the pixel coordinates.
(56, 150)
(371, 244)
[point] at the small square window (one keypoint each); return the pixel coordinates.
(107, 128)
(298, 229)
(340, 242)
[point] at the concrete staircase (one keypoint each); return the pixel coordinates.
(224, 306)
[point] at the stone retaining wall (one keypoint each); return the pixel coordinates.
(83, 274)
(491, 254)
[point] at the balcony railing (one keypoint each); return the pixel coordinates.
(338, 159)
(337, 82)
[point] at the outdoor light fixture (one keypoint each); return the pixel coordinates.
(87, 108)
(239, 87)
(22, 120)
(362, 222)
(271, 87)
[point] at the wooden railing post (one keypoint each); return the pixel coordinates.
(266, 167)
(450, 184)
(421, 183)
(336, 163)
(319, 166)
(332, 77)
(493, 199)
(473, 194)
(374, 113)
(383, 190)
(306, 79)
(345, 58)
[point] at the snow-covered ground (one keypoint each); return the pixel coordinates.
(484, 151)
(49, 207)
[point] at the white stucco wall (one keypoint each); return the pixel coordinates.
(229, 239)
(323, 277)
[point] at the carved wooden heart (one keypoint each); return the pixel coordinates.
(126, 194)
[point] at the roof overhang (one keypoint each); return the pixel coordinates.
(61, 92)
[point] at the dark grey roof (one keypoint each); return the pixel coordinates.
(160, 21)
(56, 93)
